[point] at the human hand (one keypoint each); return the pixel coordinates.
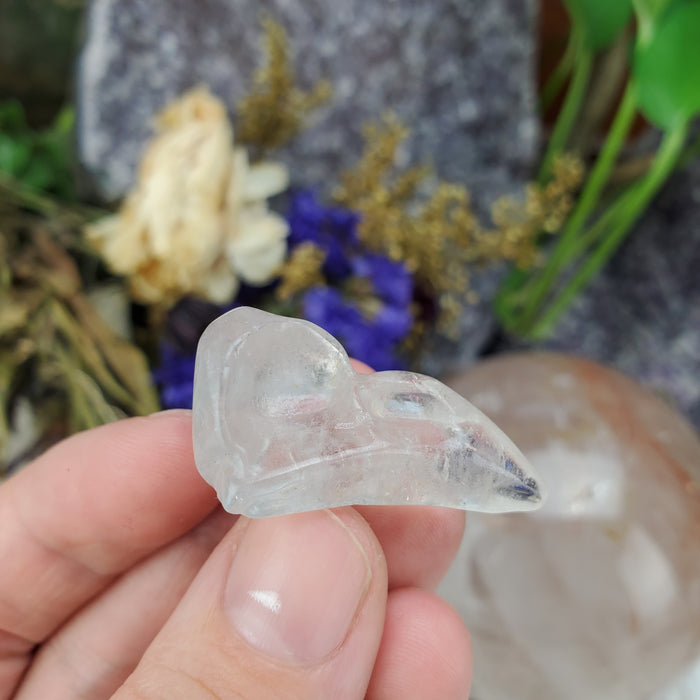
(121, 575)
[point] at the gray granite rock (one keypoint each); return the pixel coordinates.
(459, 72)
(642, 313)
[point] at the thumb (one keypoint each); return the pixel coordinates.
(288, 607)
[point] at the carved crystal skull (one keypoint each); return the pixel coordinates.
(283, 424)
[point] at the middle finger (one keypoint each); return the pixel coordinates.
(419, 542)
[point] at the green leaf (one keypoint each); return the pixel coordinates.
(38, 175)
(12, 116)
(14, 154)
(40, 160)
(64, 121)
(667, 67)
(648, 12)
(600, 22)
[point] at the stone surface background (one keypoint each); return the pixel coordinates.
(459, 72)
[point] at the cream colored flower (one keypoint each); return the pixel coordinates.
(197, 220)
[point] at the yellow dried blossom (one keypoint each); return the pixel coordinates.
(301, 271)
(440, 239)
(275, 110)
(196, 220)
(366, 180)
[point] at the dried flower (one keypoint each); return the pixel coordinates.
(362, 298)
(373, 339)
(197, 220)
(440, 238)
(301, 270)
(332, 229)
(275, 110)
(56, 351)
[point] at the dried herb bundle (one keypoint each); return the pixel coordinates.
(55, 349)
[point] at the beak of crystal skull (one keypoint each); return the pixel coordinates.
(467, 447)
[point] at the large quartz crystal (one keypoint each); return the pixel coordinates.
(597, 595)
(283, 424)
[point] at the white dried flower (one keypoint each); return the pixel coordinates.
(197, 219)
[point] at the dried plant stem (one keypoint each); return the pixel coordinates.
(6, 374)
(610, 70)
(16, 194)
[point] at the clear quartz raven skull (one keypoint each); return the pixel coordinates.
(283, 424)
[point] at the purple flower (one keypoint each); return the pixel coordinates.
(391, 280)
(333, 229)
(373, 341)
(326, 307)
(394, 322)
(175, 378)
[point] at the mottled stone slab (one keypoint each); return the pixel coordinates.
(459, 72)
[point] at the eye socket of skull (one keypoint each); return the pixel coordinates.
(404, 395)
(309, 379)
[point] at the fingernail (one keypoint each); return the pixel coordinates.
(296, 584)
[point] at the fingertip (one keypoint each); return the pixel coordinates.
(420, 542)
(160, 436)
(360, 367)
(425, 650)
